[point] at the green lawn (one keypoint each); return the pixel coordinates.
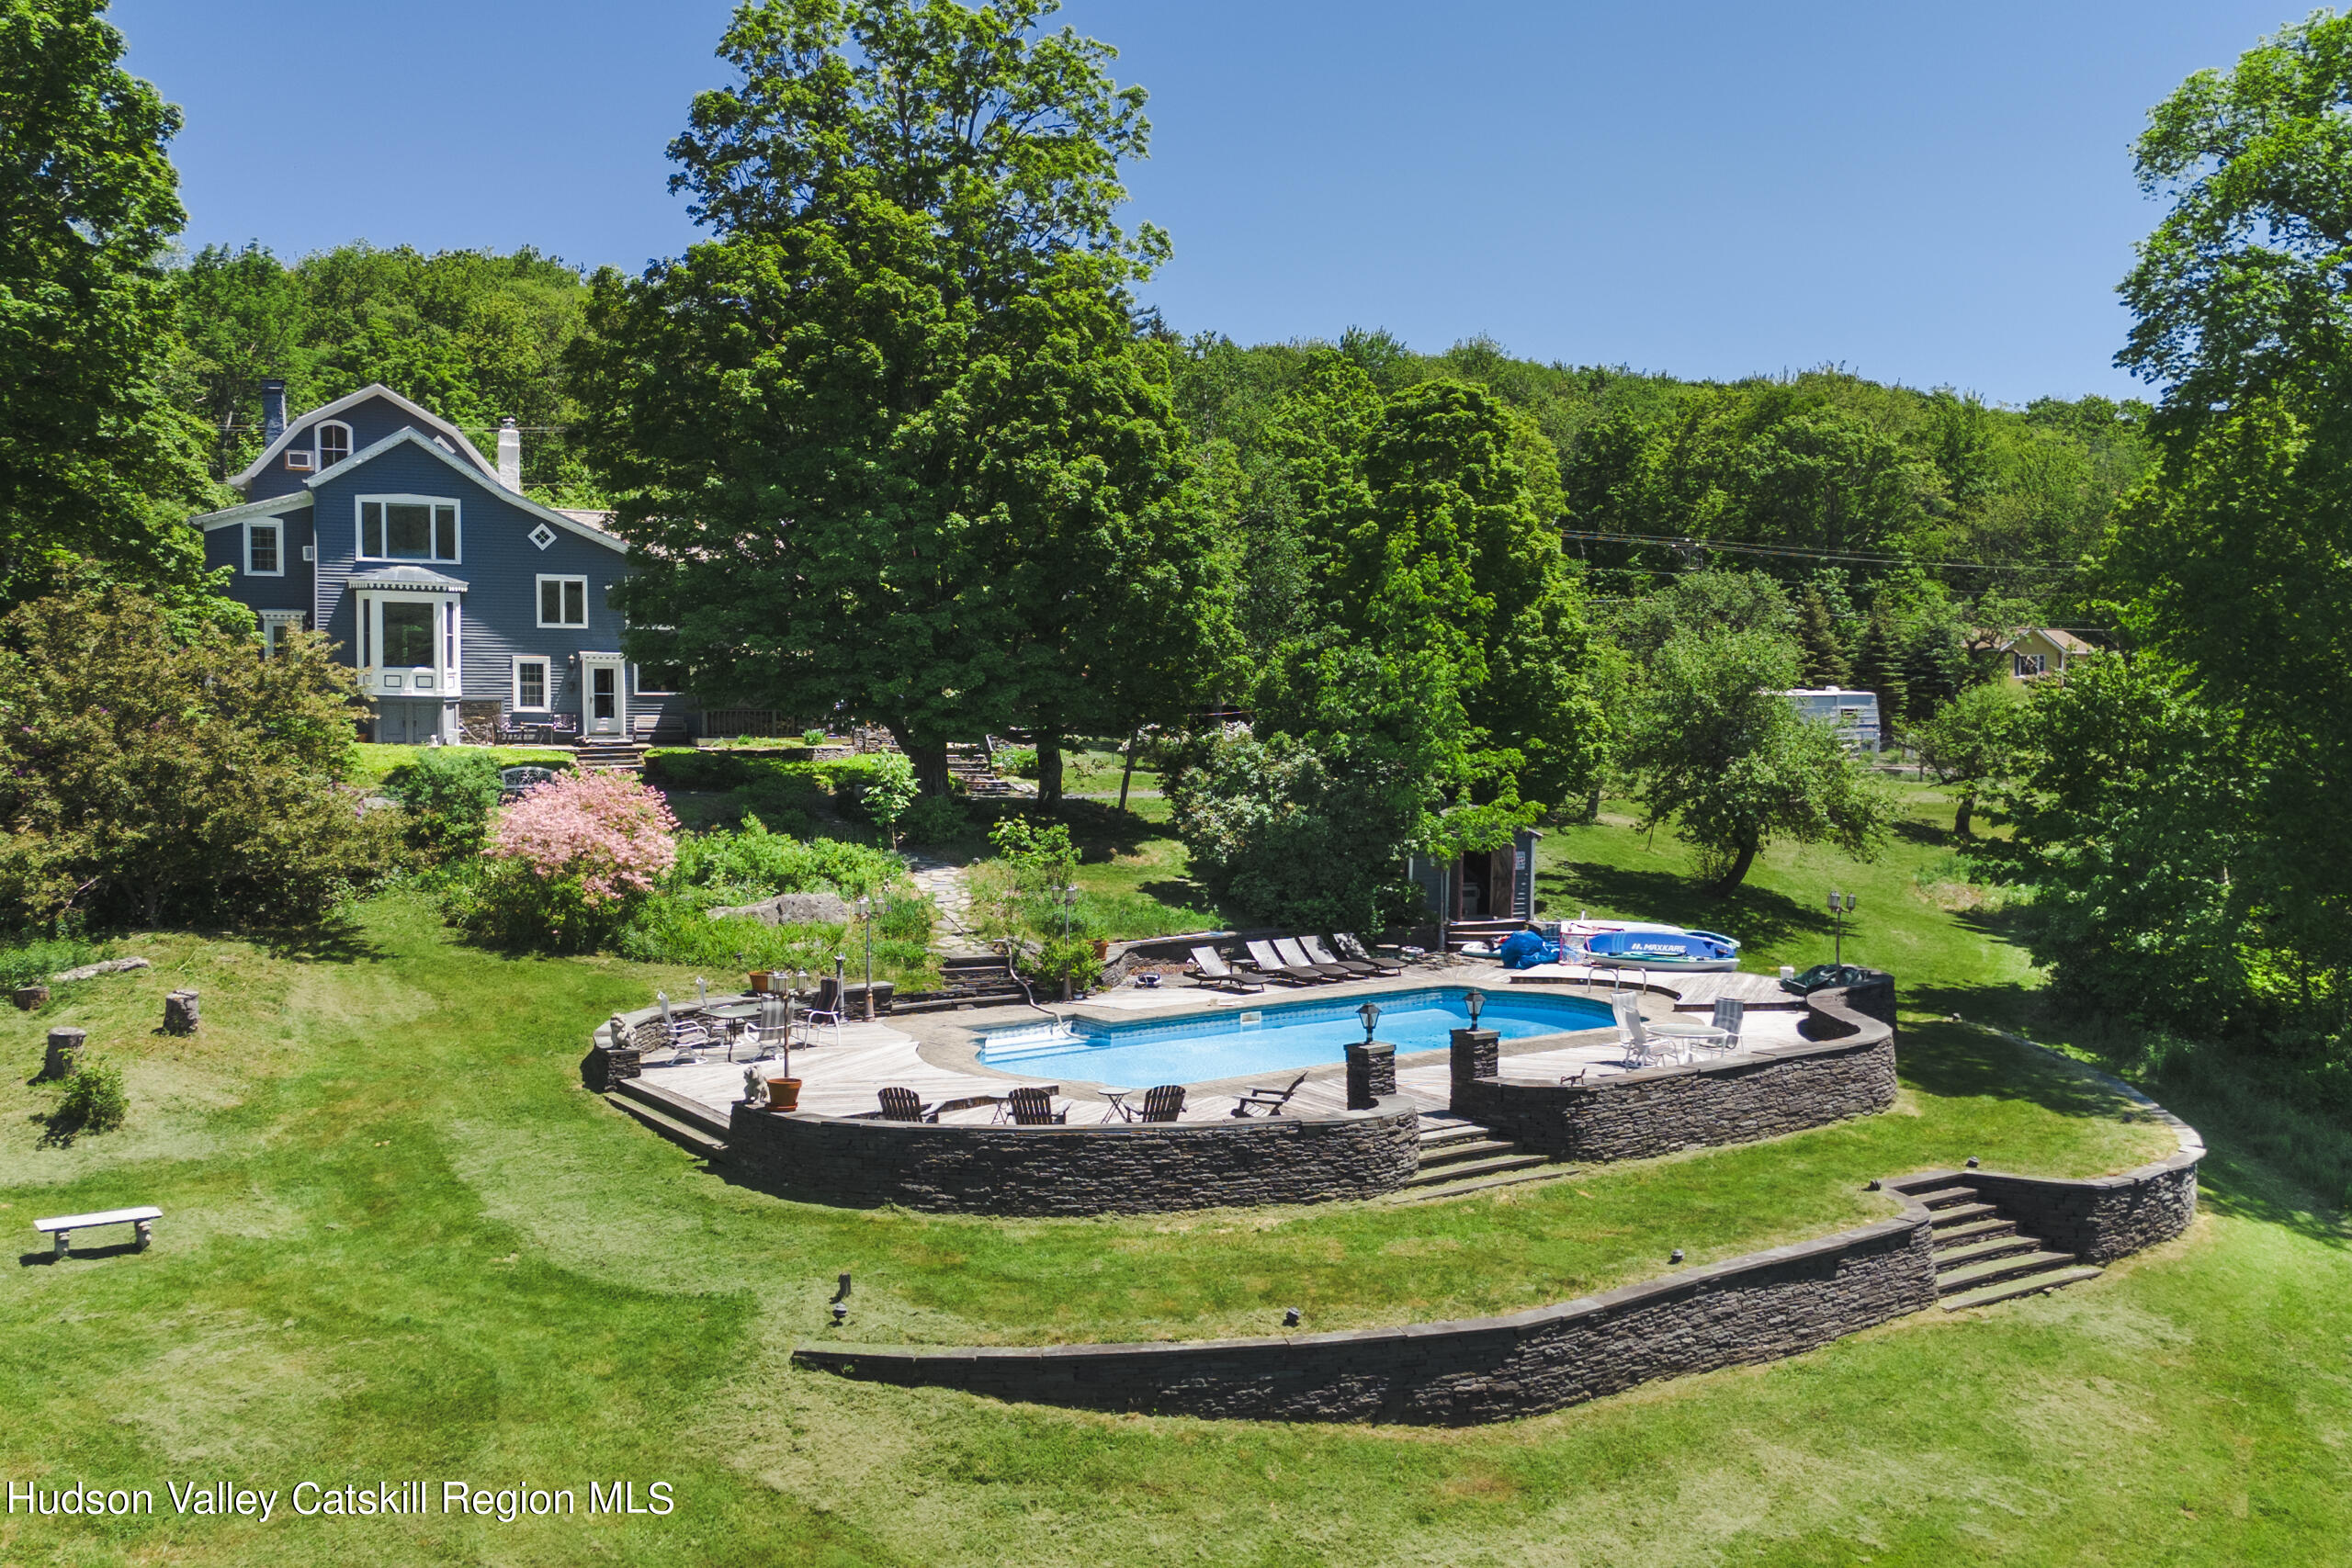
(378, 763)
(401, 1242)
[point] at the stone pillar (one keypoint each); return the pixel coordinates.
(1372, 1073)
(180, 1013)
(1477, 1054)
(64, 1048)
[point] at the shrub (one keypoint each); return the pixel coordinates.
(1020, 762)
(1066, 961)
(149, 770)
(668, 929)
(934, 819)
(448, 794)
(812, 738)
(568, 862)
(718, 868)
(93, 1102)
(698, 769)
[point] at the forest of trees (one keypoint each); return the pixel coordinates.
(961, 479)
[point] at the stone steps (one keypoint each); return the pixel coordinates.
(2031, 1285)
(1982, 1255)
(1499, 1165)
(1437, 1192)
(1462, 1151)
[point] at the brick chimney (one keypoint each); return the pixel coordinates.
(510, 456)
(273, 410)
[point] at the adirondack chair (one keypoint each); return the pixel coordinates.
(904, 1105)
(1269, 1100)
(1163, 1103)
(1033, 1107)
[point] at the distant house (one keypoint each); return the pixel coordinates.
(1854, 714)
(2041, 650)
(461, 603)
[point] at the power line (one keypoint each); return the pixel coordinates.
(1863, 558)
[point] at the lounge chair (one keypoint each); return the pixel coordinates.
(1033, 1107)
(1274, 968)
(1163, 1103)
(1357, 968)
(1289, 950)
(1351, 947)
(1269, 1100)
(1211, 970)
(905, 1105)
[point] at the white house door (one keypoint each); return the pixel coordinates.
(604, 699)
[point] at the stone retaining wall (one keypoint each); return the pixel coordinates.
(1128, 1168)
(1757, 1308)
(1846, 1068)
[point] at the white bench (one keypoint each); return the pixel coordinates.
(64, 1225)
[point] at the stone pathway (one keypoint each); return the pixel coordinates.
(945, 885)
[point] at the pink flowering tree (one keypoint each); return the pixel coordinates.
(570, 861)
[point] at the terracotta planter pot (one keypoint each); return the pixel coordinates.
(1102, 949)
(783, 1094)
(761, 980)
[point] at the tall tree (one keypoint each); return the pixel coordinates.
(887, 439)
(96, 467)
(1720, 753)
(1824, 659)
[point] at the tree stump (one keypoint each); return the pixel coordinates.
(31, 997)
(64, 1051)
(180, 1013)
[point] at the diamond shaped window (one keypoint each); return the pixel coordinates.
(543, 535)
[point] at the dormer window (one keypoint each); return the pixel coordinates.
(408, 527)
(334, 443)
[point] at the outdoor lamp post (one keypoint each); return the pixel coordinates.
(1840, 905)
(1069, 902)
(865, 914)
(1370, 1014)
(1476, 1000)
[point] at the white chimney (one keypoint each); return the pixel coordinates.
(510, 456)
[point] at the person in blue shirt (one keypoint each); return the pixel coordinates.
(1525, 948)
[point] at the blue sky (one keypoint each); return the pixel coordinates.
(1932, 194)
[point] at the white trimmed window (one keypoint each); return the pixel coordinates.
(266, 547)
(408, 527)
(2032, 665)
(563, 601)
(275, 624)
(334, 443)
(533, 683)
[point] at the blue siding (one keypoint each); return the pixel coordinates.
(498, 562)
(370, 422)
(226, 546)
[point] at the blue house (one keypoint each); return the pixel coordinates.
(462, 604)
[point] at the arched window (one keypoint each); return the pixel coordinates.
(334, 443)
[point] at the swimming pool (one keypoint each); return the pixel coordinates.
(1239, 1043)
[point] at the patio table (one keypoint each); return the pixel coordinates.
(1118, 1100)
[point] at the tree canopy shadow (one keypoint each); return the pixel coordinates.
(333, 939)
(1756, 915)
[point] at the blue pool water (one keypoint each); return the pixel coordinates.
(1245, 1041)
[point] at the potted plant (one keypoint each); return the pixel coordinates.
(763, 981)
(783, 1094)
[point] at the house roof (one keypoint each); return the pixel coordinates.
(2065, 641)
(456, 437)
(521, 502)
(417, 577)
(276, 504)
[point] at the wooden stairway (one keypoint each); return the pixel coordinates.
(597, 755)
(1460, 1157)
(1982, 1254)
(692, 1125)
